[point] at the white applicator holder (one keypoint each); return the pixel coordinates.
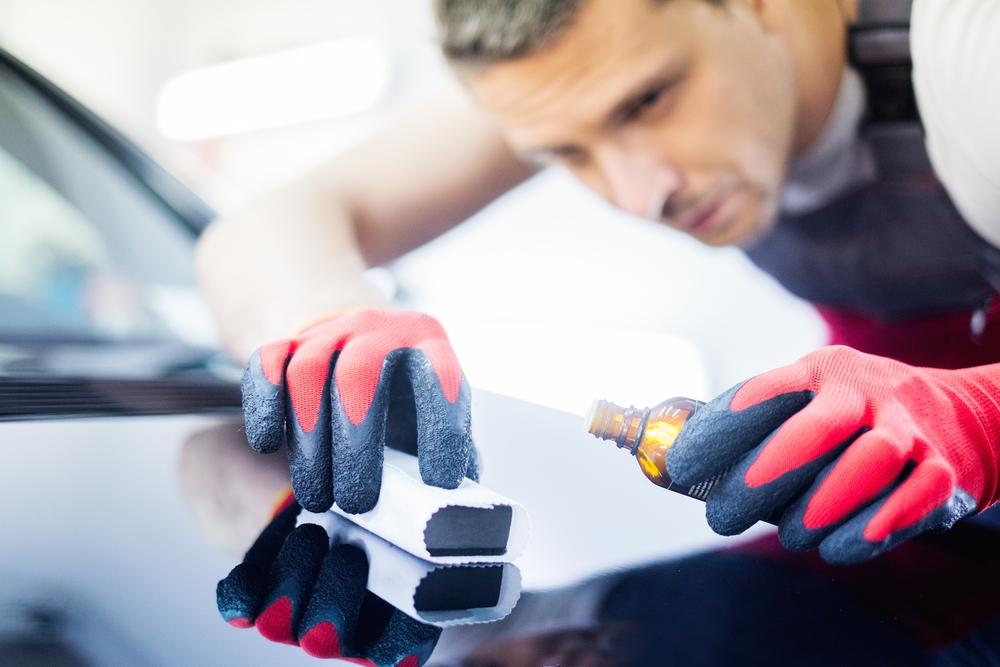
(435, 593)
(444, 526)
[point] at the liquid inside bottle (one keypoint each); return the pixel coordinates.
(647, 433)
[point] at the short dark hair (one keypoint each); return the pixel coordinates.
(483, 32)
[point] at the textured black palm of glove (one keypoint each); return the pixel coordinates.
(297, 589)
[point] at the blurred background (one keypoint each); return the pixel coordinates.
(548, 253)
(550, 295)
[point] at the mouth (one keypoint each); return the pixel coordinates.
(701, 219)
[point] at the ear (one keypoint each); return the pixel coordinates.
(849, 10)
(773, 15)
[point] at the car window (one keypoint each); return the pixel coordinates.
(88, 255)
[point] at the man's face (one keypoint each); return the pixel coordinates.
(681, 111)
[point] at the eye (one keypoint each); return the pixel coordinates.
(658, 99)
(650, 102)
(651, 99)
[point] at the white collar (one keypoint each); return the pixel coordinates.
(838, 162)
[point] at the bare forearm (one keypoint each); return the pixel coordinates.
(287, 259)
(431, 169)
(298, 254)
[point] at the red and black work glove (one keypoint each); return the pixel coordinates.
(347, 385)
(850, 452)
(297, 589)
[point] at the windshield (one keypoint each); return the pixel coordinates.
(88, 255)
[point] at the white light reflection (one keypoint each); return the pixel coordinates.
(324, 80)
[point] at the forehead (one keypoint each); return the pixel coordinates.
(610, 49)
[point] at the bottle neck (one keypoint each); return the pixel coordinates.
(625, 426)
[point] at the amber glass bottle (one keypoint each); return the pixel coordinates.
(647, 433)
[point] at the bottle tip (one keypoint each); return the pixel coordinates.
(590, 419)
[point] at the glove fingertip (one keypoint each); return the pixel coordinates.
(358, 500)
(311, 468)
(724, 522)
(317, 503)
(357, 481)
(289, 583)
(844, 548)
(446, 457)
(263, 412)
(731, 508)
(848, 544)
(794, 536)
(239, 594)
(330, 619)
(404, 639)
(797, 538)
(444, 427)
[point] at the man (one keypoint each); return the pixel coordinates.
(735, 121)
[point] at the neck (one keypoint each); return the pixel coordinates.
(818, 47)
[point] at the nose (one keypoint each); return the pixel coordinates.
(639, 183)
